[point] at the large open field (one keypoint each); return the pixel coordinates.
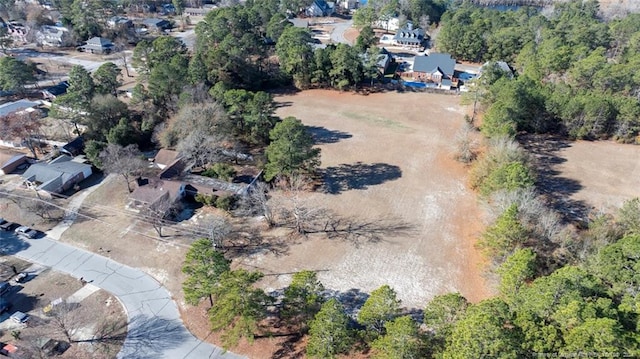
(387, 159)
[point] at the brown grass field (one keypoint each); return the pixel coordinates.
(387, 159)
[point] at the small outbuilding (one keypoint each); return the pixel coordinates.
(10, 161)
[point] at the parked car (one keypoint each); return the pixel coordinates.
(4, 287)
(4, 306)
(21, 278)
(8, 226)
(19, 317)
(26, 232)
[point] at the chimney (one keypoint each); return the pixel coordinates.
(409, 25)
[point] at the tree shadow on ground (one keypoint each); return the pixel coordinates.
(358, 231)
(557, 190)
(352, 300)
(146, 338)
(253, 242)
(322, 135)
(11, 244)
(358, 176)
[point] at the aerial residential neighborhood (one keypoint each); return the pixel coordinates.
(319, 179)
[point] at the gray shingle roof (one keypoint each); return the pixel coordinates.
(11, 107)
(99, 42)
(409, 35)
(54, 174)
(430, 64)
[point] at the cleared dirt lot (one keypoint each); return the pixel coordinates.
(583, 176)
(387, 158)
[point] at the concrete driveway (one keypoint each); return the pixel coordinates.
(155, 329)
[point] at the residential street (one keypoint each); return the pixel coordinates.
(155, 329)
(337, 35)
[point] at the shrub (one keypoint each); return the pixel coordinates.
(208, 200)
(226, 202)
(221, 171)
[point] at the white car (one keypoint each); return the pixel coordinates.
(19, 317)
(26, 231)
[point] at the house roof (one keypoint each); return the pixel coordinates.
(155, 22)
(323, 5)
(11, 107)
(435, 62)
(76, 145)
(8, 157)
(155, 189)
(206, 184)
(409, 34)
(165, 157)
(55, 173)
(59, 89)
(100, 42)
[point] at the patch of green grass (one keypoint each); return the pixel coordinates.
(376, 120)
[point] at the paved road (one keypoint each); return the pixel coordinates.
(155, 329)
(337, 35)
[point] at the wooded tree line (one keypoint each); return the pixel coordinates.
(587, 308)
(575, 73)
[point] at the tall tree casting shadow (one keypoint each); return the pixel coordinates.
(556, 188)
(146, 338)
(358, 176)
(322, 135)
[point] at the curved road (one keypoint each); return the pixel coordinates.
(337, 35)
(155, 329)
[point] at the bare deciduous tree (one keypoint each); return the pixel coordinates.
(24, 126)
(257, 202)
(217, 228)
(126, 161)
(296, 210)
(160, 212)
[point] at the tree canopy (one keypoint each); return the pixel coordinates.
(291, 150)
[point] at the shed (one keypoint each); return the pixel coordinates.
(73, 148)
(52, 92)
(11, 160)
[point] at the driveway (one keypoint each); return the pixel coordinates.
(337, 35)
(155, 329)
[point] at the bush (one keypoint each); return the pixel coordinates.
(505, 166)
(206, 199)
(510, 176)
(221, 171)
(226, 202)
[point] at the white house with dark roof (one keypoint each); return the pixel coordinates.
(56, 176)
(320, 8)
(57, 36)
(409, 36)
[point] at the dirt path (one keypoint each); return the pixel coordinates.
(388, 158)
